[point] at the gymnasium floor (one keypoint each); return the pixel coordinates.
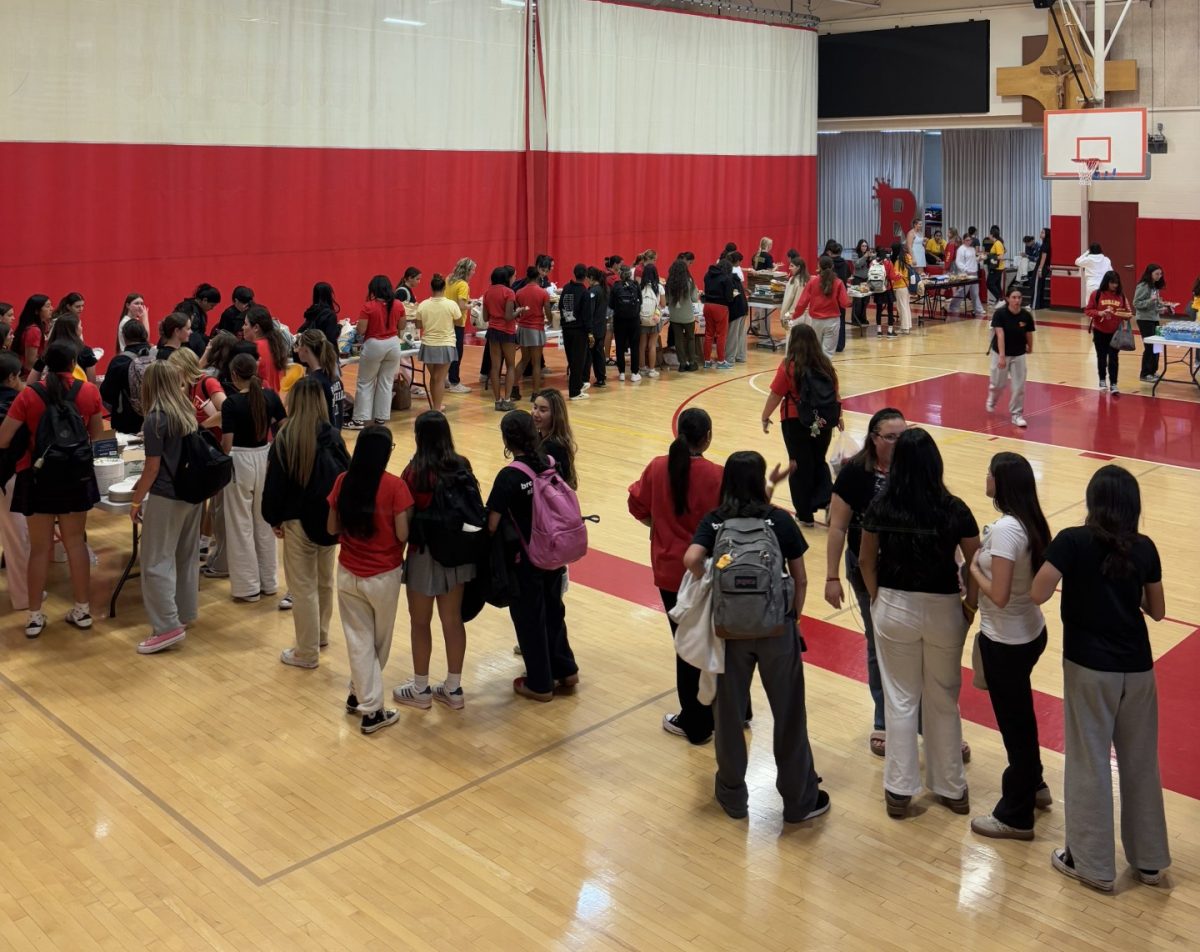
(212, 798)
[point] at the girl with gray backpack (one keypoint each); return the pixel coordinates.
(758, 588)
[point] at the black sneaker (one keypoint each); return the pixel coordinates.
(822, 806)
(515, 393)
(352, 704)
(601, 384)
(380, 719)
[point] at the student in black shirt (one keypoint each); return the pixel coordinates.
(196, 307)
(910, 536)
(1111, 578)
(858, 484)
(537, 612)
(173, 333)
(233, 318)
(322, 315)
(1012, 339)
(320, 359)
(593, 312)
(575, 333)
(745, 494)
(114, 389)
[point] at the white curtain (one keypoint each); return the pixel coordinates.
(622, 79)
(993, 177)
(848, 163)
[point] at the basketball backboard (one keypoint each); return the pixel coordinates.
(1114, 138)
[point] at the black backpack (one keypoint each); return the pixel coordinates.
(625, 300)
(62, 450)
(819, 401)
(203, 469)
(454, 526)
(328, 463)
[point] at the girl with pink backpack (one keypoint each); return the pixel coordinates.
(538, 554)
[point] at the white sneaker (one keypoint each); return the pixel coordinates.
(458, 388)
(35, 624)
(408, 694)
(636, 378)
(580, 396)
(1112, 388)
(990, 405)
(587, 384)
(79, 618)
(621, 377)
(1019, 421)
(652, 373)
(1104, 386)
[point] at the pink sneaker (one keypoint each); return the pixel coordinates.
(157, 643)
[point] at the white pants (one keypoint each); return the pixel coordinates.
(309, 569)
(919, 643)
(904, 313)
(249, 539)
(827, 329)
(377, 371)
(14, 539)
(170, 569)
(367, 607)
(1014, 373)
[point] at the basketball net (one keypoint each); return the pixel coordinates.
(1087, 170)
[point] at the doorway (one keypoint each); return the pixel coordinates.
(1113, 225)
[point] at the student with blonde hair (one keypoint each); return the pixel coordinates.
(459, 291)
(170, 526)
(762, 260)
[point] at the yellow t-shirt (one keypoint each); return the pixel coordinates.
(998, 251)
(438, 316)
(458, 291)
(288, 378)
(936, 245)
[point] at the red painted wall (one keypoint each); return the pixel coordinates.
(109, 219)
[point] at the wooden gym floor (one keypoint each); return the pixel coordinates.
(212, 798)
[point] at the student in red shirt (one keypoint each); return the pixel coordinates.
(1106, 308)
(372, 516)
(501, 311)
(270, 344)
(533, 300)
(671, 496)
(29, 339)
(825, 298)
(380, 360)
(43, 502)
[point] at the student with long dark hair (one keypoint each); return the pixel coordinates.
(860, 264)
(575, 333)
(427, 581)
(859, 484)
(1111, 577)
(682, 298)
(1147, 309)
(824, 297)
(319, 358)
(911, 534)
(303, 461)
(197, 307)
(1041, 273)
(29, 339)
(746, 494)
(248, 416)
(535, 309)
(1012, 637)
(66, 328)
(406, 290)
(1106, 309)
(380, 360)
(807, 386)
(70, 303)
(272, 348)
(739, 311)
(717, 297)
(501, 311)
(671, 495)
(369, 508)
(625, 302)
(593, 311)
(897, 269)
(173, 333)
(555, 436)
(44, 502)
(537, 614)
(997, 265)
(1012, 339)
(134, 310)
(322, 314)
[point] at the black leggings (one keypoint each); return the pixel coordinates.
(627, 334)
(1106, 357)
(1149, 357)
(811, 483)
(884, 299)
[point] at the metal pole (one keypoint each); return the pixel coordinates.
(1083, 239)
(1099, 52)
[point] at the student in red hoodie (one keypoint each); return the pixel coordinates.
(671, 496)
(826, 300)
(1106, 309)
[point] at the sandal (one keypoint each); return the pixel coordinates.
(879, 743)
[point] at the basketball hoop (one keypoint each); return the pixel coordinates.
(1088, 170)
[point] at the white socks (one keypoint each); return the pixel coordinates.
(453, 682)
(420, 683)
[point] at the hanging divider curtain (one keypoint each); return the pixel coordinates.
(993, 177)
(280, 144)
(848, 165)
(675, 131)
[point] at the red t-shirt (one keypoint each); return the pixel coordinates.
(380, 324)
(34, 337)
(381, 551)
(202, 391)
(670, 534)
(28, 407)
(784, 384)
(266, 364)
(421, 499)
(535, 298)
(494, 299)
(822, 306)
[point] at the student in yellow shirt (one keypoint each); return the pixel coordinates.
(935, 247)
(996, 266)
(459, 291)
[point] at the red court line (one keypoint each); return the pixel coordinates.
(841, 650)
(1131, 426)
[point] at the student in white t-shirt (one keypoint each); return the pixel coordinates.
(1094, 264)
(1012, 638)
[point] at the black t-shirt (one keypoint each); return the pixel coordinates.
(1103, 625)
(1017, 328)
(84, 359)
(237, 421)
(334, 393)
(922, 558)
(858, 489)
(791, 541)
(512, 493)
(232, 320)
(163, 352)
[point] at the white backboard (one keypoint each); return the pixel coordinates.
(1116, 137)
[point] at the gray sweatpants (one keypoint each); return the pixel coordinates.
(170, 565)
(1103, 710)
(782, 672)
(1012, 373)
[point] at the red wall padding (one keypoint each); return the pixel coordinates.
(109, 219)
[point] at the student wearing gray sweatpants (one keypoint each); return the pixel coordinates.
(170, 569)
(1103, 708)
